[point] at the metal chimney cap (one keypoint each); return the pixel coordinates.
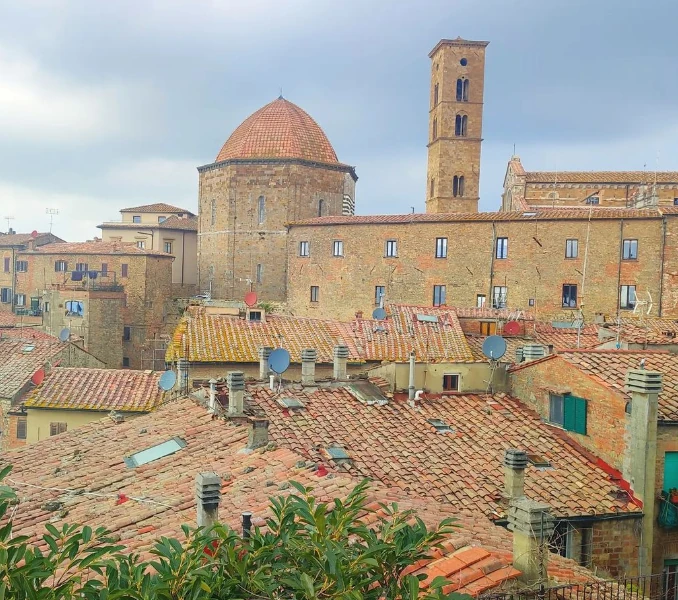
(236, 380)
(515, 458)
(309, 355)
(341, 351)
(265, 351)
(643, 382)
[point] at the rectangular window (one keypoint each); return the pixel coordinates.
(136, 219)
(338, 248)
(315, 293)
(675, 202)
(670, 470)
(161, 219)
(45, 307)
(21, 428)
(168, 247)
(379, 293)
(569, 412)
(441, 247)
(7, 264)
(60, 266)
(260, 272)
(627, 297)
(480, 300)
(391, 248)
(21, 266)
(81, 267)
(75, 308)
(20, 300)
(123, 270)
(104, 269)
(303, 249)
(630, 250)
(488, 327)
(6, 295)
(439, 292)
(502, 248)
(57, 428)
(569, 295)
(451, 382)
(126, 333)
(141, 244)
(125, 362)
(499, 293)
(571, 248)
(595, 199)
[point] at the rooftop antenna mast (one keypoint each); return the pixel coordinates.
(9, 220)
(51, 212)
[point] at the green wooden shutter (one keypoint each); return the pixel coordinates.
(574, 418)
(670, 470)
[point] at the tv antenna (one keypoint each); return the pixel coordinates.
(279, 362)
(51, 212)
(9, 220)
(494, 347)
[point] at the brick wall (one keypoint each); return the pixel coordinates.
(232, 241)
(533, 273)
(615, 545)
(665, 542)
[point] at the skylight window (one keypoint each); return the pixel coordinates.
(28, 348)
(290, 403)
(539, 461)
(441, 426)
(338, 453)
(427, 318)
(155, 452)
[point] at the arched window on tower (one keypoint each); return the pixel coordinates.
(462, 89)
(321, 207)
(465, 94)
(435, 128)
(261, 209)
(460, 124)
(458, 186)
(435, 95)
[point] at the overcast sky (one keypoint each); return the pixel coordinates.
(111, 104)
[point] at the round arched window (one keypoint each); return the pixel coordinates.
(463, 62)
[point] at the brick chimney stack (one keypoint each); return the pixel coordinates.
(257, 435)
(644, 387)
(532, 525)
(308, 358)
(235, 380)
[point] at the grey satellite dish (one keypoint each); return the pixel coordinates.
(64, 334)
(494, 347)
(167, 380)
(379, 314)
(279, 361)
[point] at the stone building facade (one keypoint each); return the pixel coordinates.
(278, 166)
(455, 126)
(525, 190)
(551, 263)
(64, 277)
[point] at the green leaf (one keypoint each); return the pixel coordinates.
(308, 586)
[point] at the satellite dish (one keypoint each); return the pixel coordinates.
(167, 380)
(34, 234)
(64, 334)
(512, 328)
(38, 377)
(279, 361)
(379, 314)
(494, 347)
(251, 298)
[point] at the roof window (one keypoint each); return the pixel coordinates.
(155, 452)
(28, 348)
(427, 318)
(539, 461)
(290, 403)
(441, 426)
(338, 453)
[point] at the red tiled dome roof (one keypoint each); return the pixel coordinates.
(279, 130)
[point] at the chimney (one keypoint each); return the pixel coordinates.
(532, 525)
(182, 372)
(30, 245)
(644, 387)
(236, 393)
(213, 396)
(410, 388)
(246, 525)
(340, 360)
(258, 433)
(264, 353)
(208, 497)
(515, 463)
(359, 315)
(308, 358)
(47, 367)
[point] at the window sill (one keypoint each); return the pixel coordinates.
(570, 307)
(629, 259)
(390, 257)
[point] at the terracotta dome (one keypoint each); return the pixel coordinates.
(279, 130)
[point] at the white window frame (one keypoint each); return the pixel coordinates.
(501, 250)
(315, 293)
(338, 248)
(6, 295)
(377, 296)
(625, 301)
(304, 249)
(24, 266)
(499, 291)
(441, 247)
(168, 245)
(571, 248)
(439, 295)
(458, 376)
(20, 300)
(481, 299)
(141, 244)
(391, 249)
(630, 249)
(576, 295)
(60, 266)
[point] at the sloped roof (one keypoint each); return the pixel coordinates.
(189, 223)
(398, 446)
(513, 342)
(645, 330)
(99, 247)
(81, 388)
(21, 358)
(637, 177)
(20, 239)
(279, 130)
(564, 338)
(609, 367)
(157, 207)
(157, 498)
(212, 338)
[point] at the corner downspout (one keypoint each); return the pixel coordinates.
(494, 241)
(621, 249)
(661, 268)
(183, 256)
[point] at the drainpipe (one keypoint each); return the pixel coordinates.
(410, 389)
(621, 250)
(494, 241)
(183, 256)
(661, 268)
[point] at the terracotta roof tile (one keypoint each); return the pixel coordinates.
(98, 247)
(278, 130)
(173, 222)
(157, 207)
(609, 367)
(80, 388)
(645, 330)
(637, 177)
(21, 358)
(20, 239)
(399, 447)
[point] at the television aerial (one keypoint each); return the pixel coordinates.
(64, 334)
(494, 347)
(250, 298)
(167, 381)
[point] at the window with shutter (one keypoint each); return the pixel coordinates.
(21, 428)
(574, 418)
(670, 470)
